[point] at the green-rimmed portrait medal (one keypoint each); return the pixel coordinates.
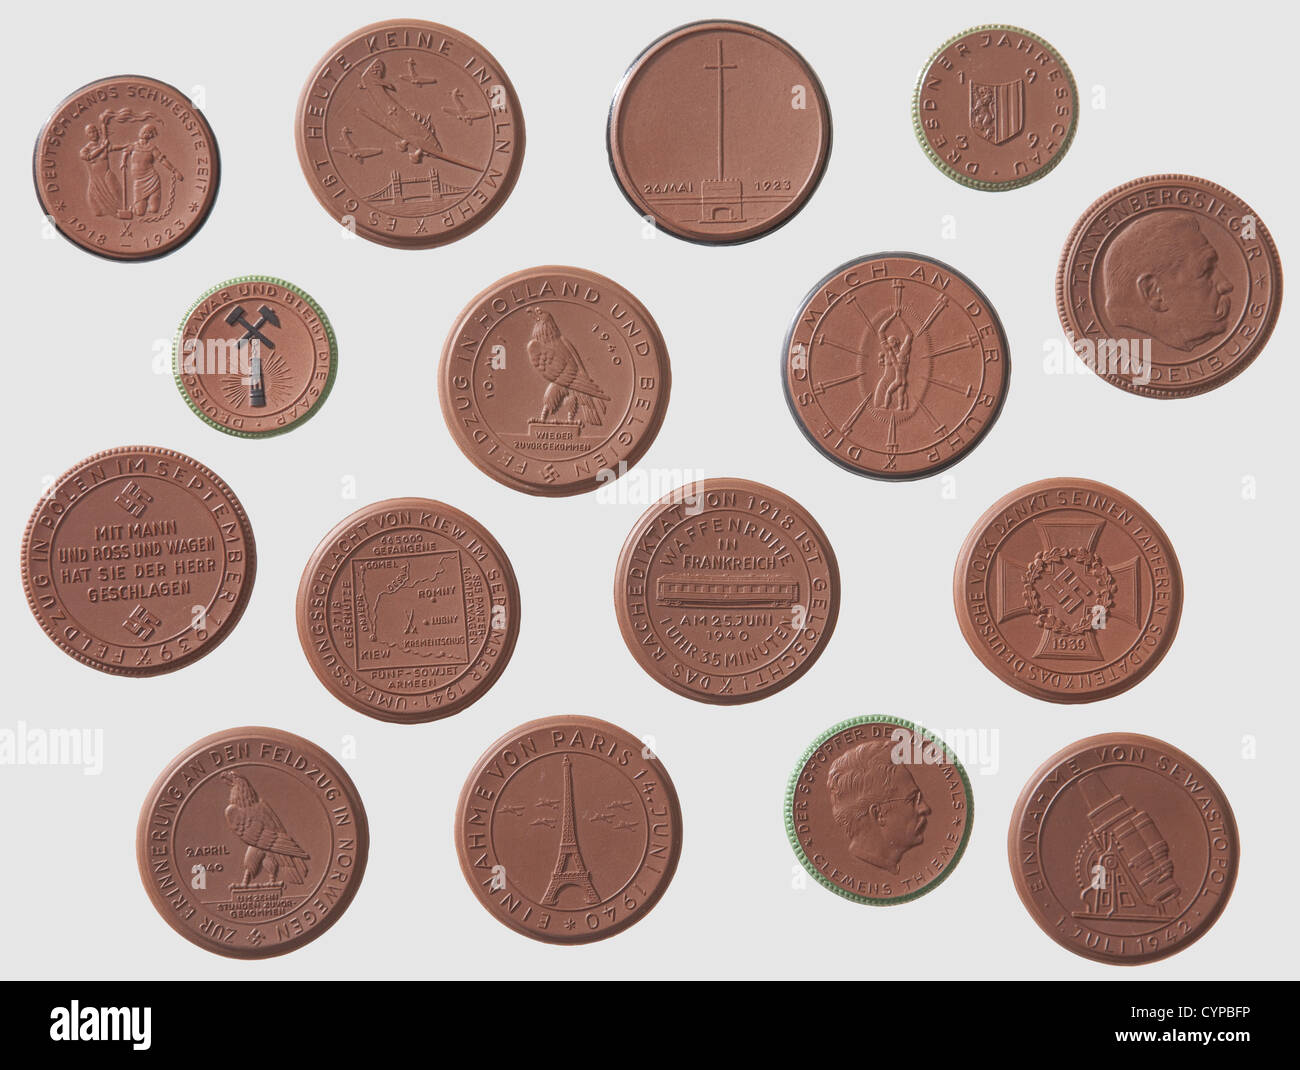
(879, 810)
(255, 356)
(995, 107)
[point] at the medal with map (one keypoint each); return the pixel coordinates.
(408, 610)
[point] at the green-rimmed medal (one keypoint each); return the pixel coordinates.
(879, 810)
(995, 107)
(255, 356)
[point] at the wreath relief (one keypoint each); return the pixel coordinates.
(1092, 564)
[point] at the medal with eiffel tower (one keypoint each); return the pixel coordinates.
(568, 829)
(570, 870)
(1068, 590)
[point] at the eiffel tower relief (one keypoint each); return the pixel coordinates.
(570, 869)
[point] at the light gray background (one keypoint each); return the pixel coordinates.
(1185, 90)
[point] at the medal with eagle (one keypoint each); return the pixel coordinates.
(554, 380)
(252, 842)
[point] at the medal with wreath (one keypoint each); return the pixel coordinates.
(1091, 563)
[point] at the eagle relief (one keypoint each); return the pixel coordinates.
(572, 401)
(273, 860)
(553, 379)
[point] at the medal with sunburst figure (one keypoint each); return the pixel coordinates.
(255, 356)
(267, 384)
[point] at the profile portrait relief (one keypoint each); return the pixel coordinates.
(1161, 276)
(878, 804)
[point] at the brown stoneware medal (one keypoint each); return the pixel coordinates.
(408, 610)
(878, 810)
(410, 134)
(252, 842)
(1123, 849)
(127, 167)
(1068, 590)
(895, 366)
(138, 560)
(995, 108)
(726, 591)
(554, 380)
(568, 829)
(719, 132)
(1168, 286)
(255, 356)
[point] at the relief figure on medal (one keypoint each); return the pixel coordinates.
(126, 179)
(1160, 275)
(572, 396)
(895, 358)
(1124, 868)
(460, 109)
(398, 121)
(905, 366)
(273, 859)
(876, 801)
